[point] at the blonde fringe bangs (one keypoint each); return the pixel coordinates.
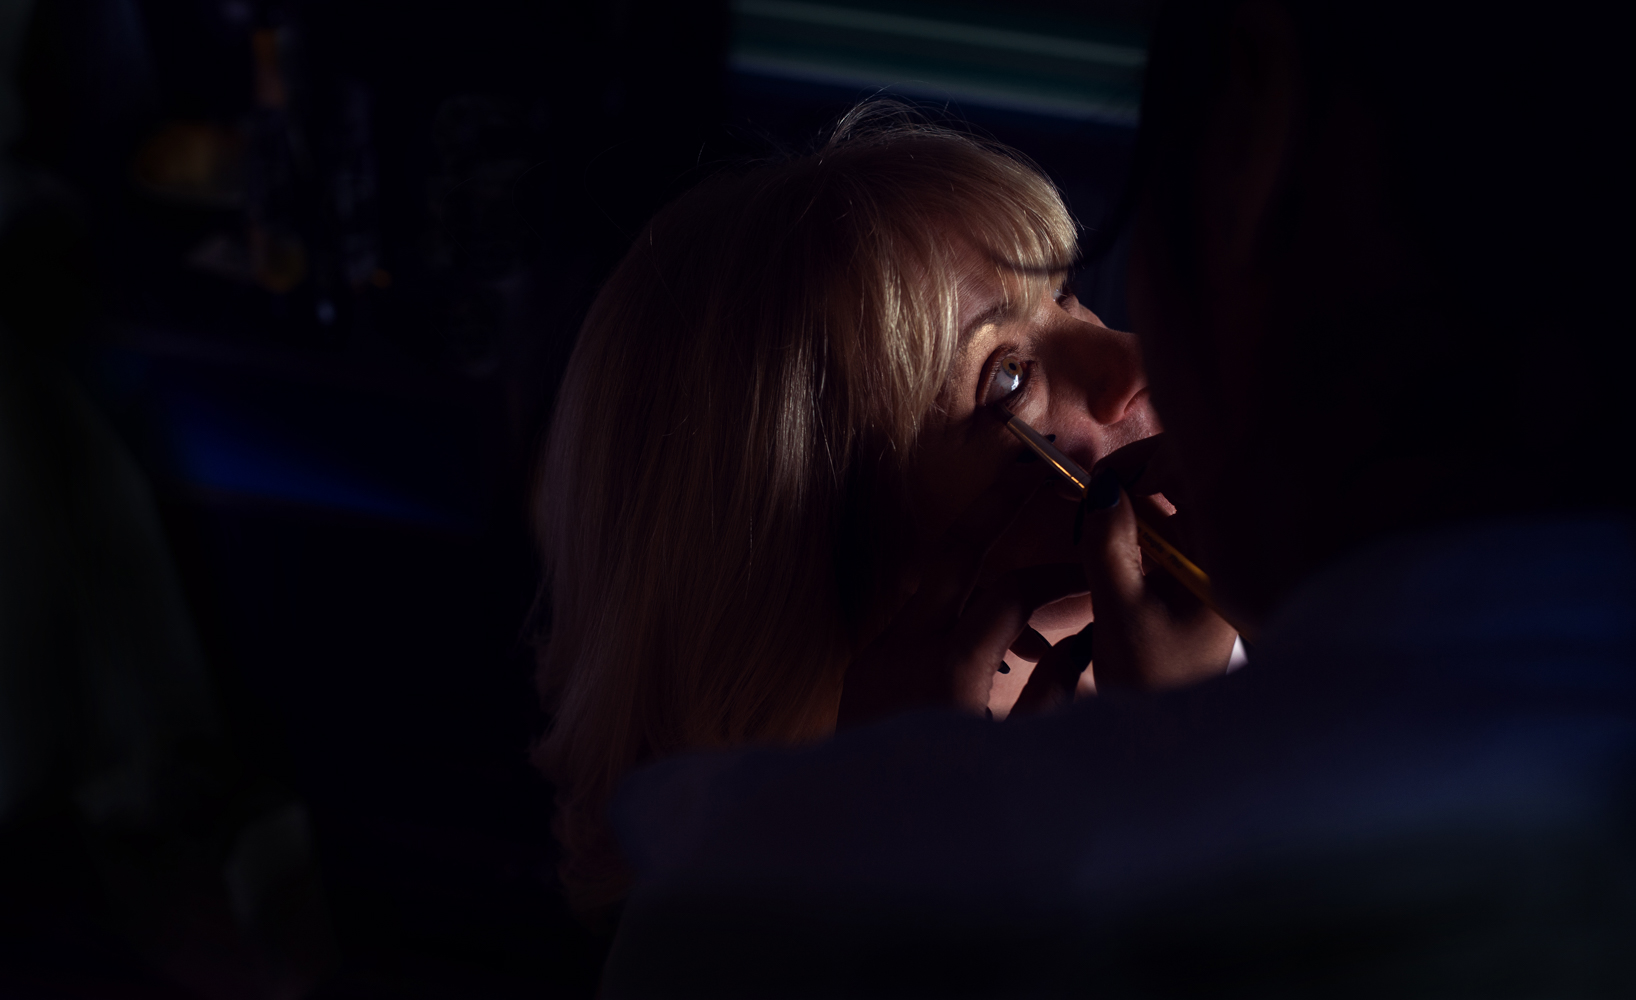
(750, 380)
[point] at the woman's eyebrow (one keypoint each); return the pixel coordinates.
(994, 313)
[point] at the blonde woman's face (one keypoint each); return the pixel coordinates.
(1073, 378)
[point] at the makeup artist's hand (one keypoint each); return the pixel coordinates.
(1151, 633)
(942, 647)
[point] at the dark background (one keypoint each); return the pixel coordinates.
(341, 447)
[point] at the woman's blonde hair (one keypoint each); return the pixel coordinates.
(743, 396)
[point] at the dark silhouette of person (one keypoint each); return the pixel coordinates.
(1380, 258)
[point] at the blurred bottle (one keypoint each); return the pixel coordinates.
(352, 188)
(278, 255)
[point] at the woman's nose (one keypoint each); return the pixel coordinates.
(1100, 373)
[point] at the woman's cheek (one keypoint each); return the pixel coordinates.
(1043, 533)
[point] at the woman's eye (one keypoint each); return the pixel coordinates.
(1064, 293)
(1008, 377)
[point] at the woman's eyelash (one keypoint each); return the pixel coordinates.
(1065, 291)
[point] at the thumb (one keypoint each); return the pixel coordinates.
(1113, 570)
(1106, 533)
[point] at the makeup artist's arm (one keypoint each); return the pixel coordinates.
(942, 647)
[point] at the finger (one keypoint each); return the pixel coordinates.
(1160, 501)
(1163, 518)
(1113, 568)
(1131, 462)
(1030, 646)
(1145, 468)
(1159, 580)
(997, 615)
(1108, 550)
(999, 612)
(1057, 673)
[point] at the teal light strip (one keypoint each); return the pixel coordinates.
(1054, 104)
(1081, 74)
(942, 31)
